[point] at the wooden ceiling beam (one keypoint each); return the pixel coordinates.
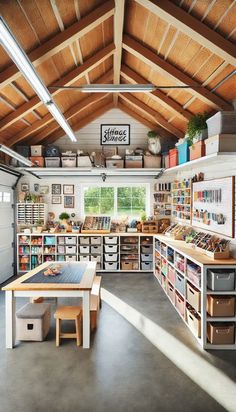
(61, 40)
(167, 69)
(118, 35)
(192, 27)
(156, 95)
(135, 115)
(67, 80)
(155, 115)
(82, 123)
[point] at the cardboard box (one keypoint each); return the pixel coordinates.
(221, 333)
(152, 162)
(197, 150)
(220, 305)
(221, 143)
(37, 161)
(36, 150)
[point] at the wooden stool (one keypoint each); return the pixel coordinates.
(68, 313)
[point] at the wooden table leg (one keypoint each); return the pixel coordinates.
(10, 319)
(58, 331)
(86, 319)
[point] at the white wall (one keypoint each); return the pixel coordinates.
(89, 136)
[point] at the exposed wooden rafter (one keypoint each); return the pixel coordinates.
(118, 35)
(167, 69)
(135, 115)
(153, 113)
(61, 40)
(67, 80)
(156, 95)
(194, 28)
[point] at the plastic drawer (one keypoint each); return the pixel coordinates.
(111, 240)
(70, 240)
(84, 258)
(170, 292)
(71, 258)
(111, 248)
(221, 280)
(146, 258)
(84, 240)
(95, 240)
(95, 259)
(96, 249)
(71, 249)
(146, 249)
(193, 297)
(179, 283)
(194, 322)
(111, 257)
(111, 265)
(221, 333)
(179, 303)
(146, 266)
(221, 305)
(83, 249)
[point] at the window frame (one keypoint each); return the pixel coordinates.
(116, 186)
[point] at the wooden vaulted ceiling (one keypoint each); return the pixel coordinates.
(73, 42)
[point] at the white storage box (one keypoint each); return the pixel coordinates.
(83, 161)
(70, 250)
(33, 322)
(61, 250)
(70, 240)
(111, 265)
(222, 122)
(36, 150)
(111, 248)
(60, 240)
(114, 163)
(95, 259)
(221, 143)
(52, 161)
(221, 280)
(84, 258)
(68, 161)
(96, 249)
(71, 258)
(83, 249)
(111, 257)
(111, 240)
(96, 240)
(84, 240)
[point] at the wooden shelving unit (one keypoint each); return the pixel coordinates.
(181, 196)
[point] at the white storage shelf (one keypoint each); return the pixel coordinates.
(106, 249)
(31, 213)
(160, 259)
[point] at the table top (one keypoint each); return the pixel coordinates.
(34, 279)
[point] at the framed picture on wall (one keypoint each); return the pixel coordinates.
(56, 200)
(68, 189)
(56, 189)
(24, 187)
(44, 190)
(213, 205)
(115, 134)
(69, 201)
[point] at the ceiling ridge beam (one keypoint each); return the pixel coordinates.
(153, 113)
(156, 95)
(68, 114)
(61, 40)
(118, 35)
(136, 116)
(193, 27)
(146, 55)
(82, 123)
(66, 80)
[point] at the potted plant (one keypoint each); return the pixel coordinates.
(40, 225)
(64, 217)
(197, 128)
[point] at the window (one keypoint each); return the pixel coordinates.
(6, 197)
(116, 201)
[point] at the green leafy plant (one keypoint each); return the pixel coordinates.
(64, 216)
(152, 134)
(195, 126)
(143, 217)
(40, 222)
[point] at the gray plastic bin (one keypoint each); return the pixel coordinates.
(221, 279)
(179, 283)
(146, 257)
(96, 249)
(146, 266)
(146, 249)
(221, 123)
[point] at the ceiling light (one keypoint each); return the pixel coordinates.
(15, 51)
(110, 88)
(15, 155)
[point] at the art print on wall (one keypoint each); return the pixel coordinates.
(44, 190)
(213, 205)
(56, 200)
(115, 134)
(69, 201)
(24, 187)
(68, 189)
(56, 189)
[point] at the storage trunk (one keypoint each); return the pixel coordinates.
(152, 162)
(221, 333)
(222, 122)
(197, 150)
(221, 143)
(221, 305)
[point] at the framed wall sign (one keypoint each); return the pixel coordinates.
(56, 189)
(69, 201)
(213, 205)
(115, 134)
(68, 189)
(56, 200)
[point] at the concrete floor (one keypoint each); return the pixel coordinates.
(123, 371)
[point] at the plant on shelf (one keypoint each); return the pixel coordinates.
(197, 128)
(64, 217)
(39, 226)
(143, 217)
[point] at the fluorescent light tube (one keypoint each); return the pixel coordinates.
(116, 88)
(53, 109)
(15, 155)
